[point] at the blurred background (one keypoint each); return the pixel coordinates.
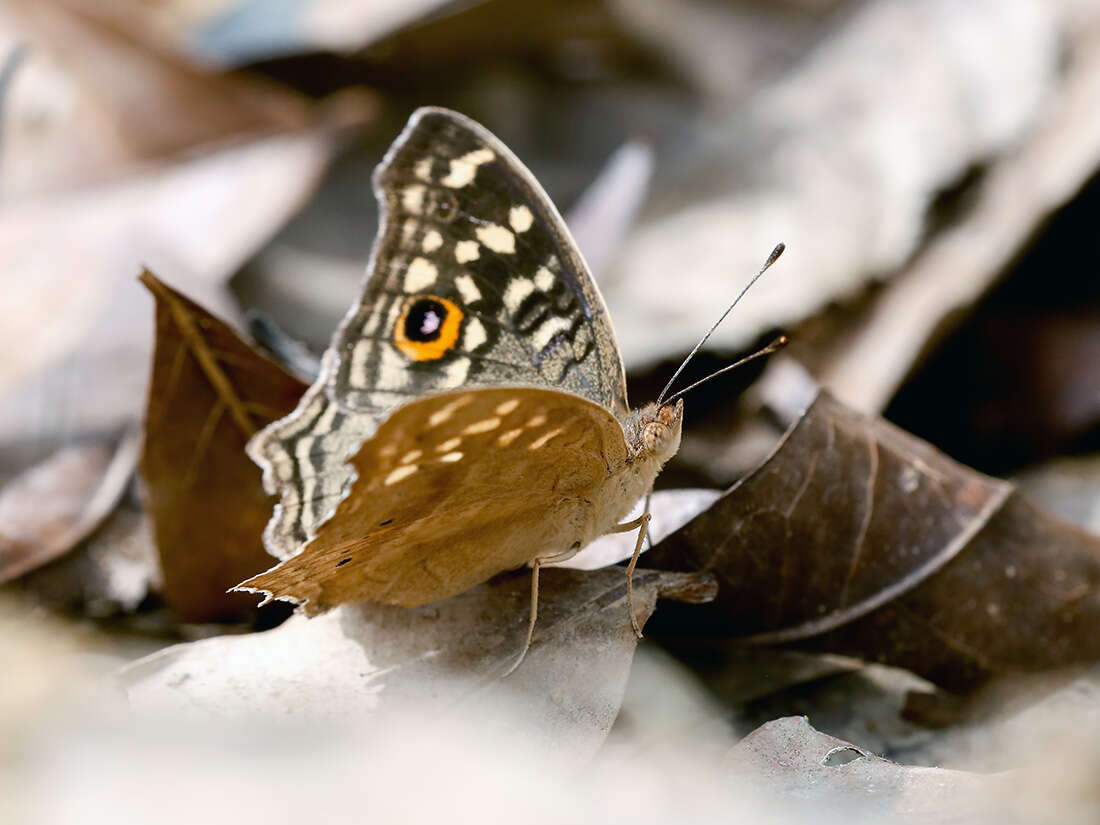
(931, 166)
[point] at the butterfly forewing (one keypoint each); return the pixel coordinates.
(455, 488)
(473, 282)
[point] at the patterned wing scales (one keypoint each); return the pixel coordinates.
(455, 488)
(466, 225)
(473, 282)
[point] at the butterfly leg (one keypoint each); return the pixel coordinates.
(536, 564)
(642, 525)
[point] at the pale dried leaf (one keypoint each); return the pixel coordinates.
(227, 32)
(866, 366)
(605, 211)
(377, 661)
(841, 158)
(790, 759)
(47, 510)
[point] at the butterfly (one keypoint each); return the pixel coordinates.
(470, 416)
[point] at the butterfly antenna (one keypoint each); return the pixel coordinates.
(771, 260)
(777, 344)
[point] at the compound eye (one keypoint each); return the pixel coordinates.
(428, 327)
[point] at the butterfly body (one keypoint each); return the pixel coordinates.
(471, 415)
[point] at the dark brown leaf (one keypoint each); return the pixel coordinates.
(857, 538)
(210, 392)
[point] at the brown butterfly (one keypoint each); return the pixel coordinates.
(471, 414)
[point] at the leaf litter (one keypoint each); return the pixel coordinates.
(883, 589)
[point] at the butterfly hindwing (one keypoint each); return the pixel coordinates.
(473, 282)
(455, 488)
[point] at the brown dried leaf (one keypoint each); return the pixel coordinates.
(857, 538)
(372, 662)
(50, 508)
(210, 392)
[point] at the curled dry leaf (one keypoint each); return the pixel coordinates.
(859, 131)
(369, 660)
(224, 32)
(70, 121)
(864, 359)
(210, 392)
(857, 538)
(787, 757)
(50, 508)
(111, 574)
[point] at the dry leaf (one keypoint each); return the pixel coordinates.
(378, 661)
(865, 361)
(857, 538)
(788, 758)
(842, 157)
(210, 393)
(70, 121)
(605, 211)
(73, 314)
(227, 32)
(50, 508)
(110, 574)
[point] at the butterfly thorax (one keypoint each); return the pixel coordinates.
(652, 437)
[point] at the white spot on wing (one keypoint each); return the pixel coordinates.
(464, 169)
(411, 456)
(445, 412)
(324, 423)
(544, 279)
(423, 169)
(497, 238)
(504, 439)
(548, 329)
(466, 251)
(506, 407)
(305, 509)
(536, 420)
(451, 457)
(516, 291)
(432, 241)
(520, 218)
(456, 372)
(540, 442)
(360, 355)
(482, 426)
(393, 371)
(448, 445)
(420, 275)
(466, 286)
(475, 335)
(401, 472)
(371, 326)
(412, 199)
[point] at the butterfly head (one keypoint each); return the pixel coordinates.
(653, 431)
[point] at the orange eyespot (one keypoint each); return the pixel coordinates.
(428, 327)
